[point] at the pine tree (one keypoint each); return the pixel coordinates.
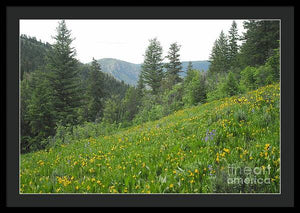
(25, 97)
(130, 104)
(174, 65)
(232, 44)
(63, 75)
(95, 91)
(230, 86)
(195, 88)
(260, 40)
(189, 67)
(113, 110)
(152, 67)
(40, 111)
(220, 55)
(140, 89)
(189, 72)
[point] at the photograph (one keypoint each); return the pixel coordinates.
(150, 106)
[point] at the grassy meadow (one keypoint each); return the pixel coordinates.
(189, 151)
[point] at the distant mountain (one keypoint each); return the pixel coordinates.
(198, 65)
(121, 70)
(129, 72)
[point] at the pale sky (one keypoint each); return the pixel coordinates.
(128, 39)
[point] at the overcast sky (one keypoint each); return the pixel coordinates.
(128, 39)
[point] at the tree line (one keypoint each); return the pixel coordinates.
(57, 90)
(64, 92)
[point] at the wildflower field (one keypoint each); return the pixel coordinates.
(190, 151)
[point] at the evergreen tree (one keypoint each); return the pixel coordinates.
(113, 112)
(63, 75)
(189, 67)
(174, 65)
(130, 104)
(202, 88)
(260, 40)
(220, 55)
(195, 88)
(189, 72)
(140, 90)
(232, 44)
(274, 62)
(230, 86)
(25, 97)
(95, 91)
(152, 67)
(40, 111)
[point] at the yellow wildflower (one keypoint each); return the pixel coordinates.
(267, 147)
(226, 150)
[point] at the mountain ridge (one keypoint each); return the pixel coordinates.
(129, 72)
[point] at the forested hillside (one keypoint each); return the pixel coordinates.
(84, 131)
(37, 120)
(32, 54)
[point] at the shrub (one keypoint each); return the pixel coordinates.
(195, 90)
(172, 100)
(248, 78)
(264, 75)
(230, 86)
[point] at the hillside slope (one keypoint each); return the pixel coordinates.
(32, 54)
(189, 151)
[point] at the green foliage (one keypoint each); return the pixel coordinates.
(111, 86)
(274, 63)
(195, 88)
(130, 104)
(68, 134)
(173, 67)
(33, 54)
(63, 74)
(220, 61)
(172, 99)
(95, 94)
(140, 88)
(25, 122)
(264, 75)
(217, 92)
(232, 44)
(150, 109)
(189, 151)
(248, 80)
(231, 86)
(260, 39)
(39, 112)
(227, 86)
(113, 110)
(152, 67)
(253, 78)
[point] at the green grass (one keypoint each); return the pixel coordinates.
(189, 151)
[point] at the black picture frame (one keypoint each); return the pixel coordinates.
(12, 198)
